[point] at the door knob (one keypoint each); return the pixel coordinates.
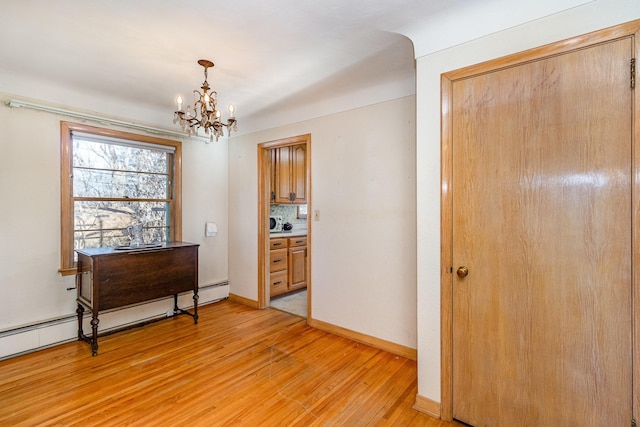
(462, 271)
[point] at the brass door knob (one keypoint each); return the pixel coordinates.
(462, 271)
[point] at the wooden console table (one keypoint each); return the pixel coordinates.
(109, 278)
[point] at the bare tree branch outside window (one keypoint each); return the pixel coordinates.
(115, 186)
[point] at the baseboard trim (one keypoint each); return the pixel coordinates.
(378, 343)
(427, 406)
(242, 300)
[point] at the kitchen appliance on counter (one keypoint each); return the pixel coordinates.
(275, 224)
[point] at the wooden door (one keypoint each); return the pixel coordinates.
(541, 189)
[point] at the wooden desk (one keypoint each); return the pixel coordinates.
(109, 278)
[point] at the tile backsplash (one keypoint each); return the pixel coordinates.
(289, 213)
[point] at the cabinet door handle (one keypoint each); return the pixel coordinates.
(299, 241)
(277, 260)
(277, 244)
(273, 195)
(278, 282)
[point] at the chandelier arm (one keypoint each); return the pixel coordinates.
(197, 96)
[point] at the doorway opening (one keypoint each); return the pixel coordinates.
(284, 229)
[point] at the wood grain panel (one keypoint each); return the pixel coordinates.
(266, 184)
(283, 174)
(238, 366)
(277, 243)
(299, 172)
(635, 240)
(626, 30)
(541, 217)
(278, 260)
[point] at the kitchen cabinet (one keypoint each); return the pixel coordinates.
(272, 175)
(288, 264)
(290, 175)
(297, 263)
(278, 266)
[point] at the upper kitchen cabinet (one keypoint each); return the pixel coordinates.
(289, 164)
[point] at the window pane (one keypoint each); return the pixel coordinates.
(115, 184)
(117, 157)
(103, 223)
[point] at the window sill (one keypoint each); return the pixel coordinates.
(68, 271)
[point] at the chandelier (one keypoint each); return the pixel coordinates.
(205, 112)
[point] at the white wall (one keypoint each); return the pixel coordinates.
(580, 20)
(363, 246)
(31, 289)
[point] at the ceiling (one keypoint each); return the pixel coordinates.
(277, 61)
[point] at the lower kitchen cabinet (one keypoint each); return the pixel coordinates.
(278, 282)
(288, 264)
(297, 263)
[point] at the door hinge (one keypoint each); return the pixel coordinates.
(633, 73)
(633, 423)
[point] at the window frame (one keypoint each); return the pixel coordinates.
(67, 264)
(302, 215)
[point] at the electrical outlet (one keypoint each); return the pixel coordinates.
(316, 215)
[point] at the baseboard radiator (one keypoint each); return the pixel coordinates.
(48, 333)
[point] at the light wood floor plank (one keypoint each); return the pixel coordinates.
(238, 366)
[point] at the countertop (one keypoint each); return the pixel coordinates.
(292, 233)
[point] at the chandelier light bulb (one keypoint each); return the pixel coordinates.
(179, 102)
(232, 110)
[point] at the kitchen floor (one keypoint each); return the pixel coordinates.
(294, 303)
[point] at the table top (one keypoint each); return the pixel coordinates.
(110, 250)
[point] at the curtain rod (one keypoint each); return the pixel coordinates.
(14, 103)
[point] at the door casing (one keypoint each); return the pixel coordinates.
(264, 160)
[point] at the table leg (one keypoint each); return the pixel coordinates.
(176, 310)
(80, 312)
(195, 307)
(94, 335)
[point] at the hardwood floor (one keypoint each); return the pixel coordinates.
(238, 366)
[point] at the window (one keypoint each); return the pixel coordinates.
(111, 180)
(302, 211)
